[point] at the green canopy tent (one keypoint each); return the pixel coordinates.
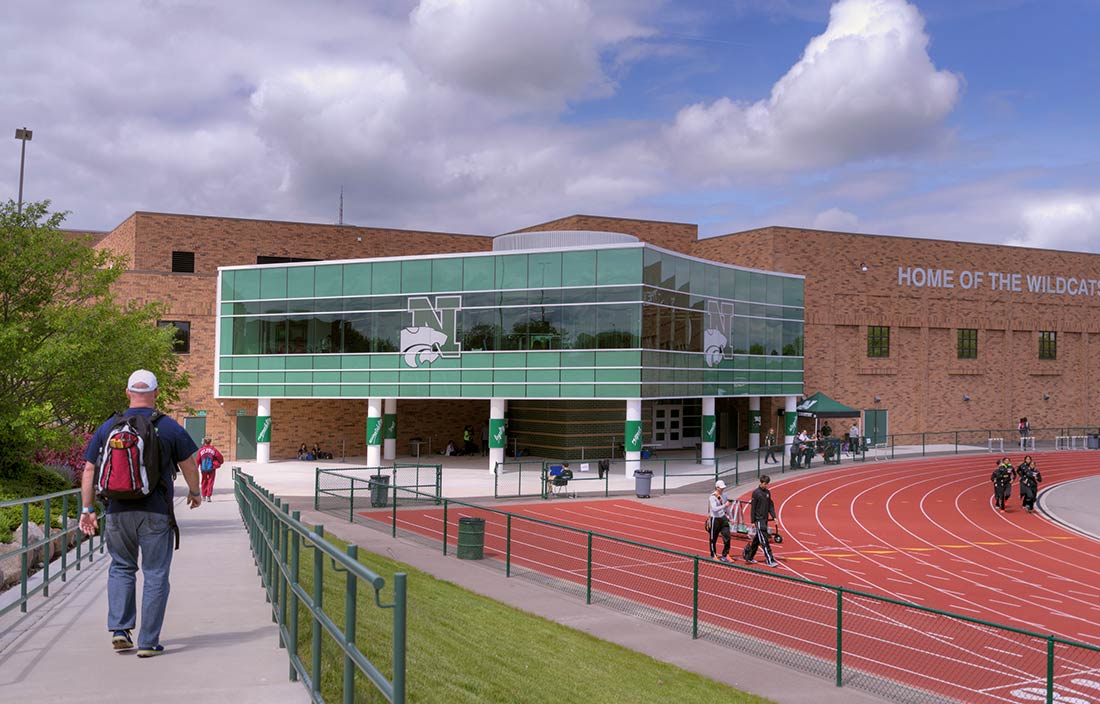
(821, 406)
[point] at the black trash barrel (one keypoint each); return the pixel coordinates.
(379, 490)
(471, 538)
(643, 480)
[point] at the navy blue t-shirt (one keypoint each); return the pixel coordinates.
(175, 444)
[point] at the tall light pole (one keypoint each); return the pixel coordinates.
(25, 135)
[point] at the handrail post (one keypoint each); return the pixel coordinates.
(46, 548)
(351, 582)
(316, 608)
(24, 567)
(65, 535)
(399, 636)
(284, 579)
(292, 616)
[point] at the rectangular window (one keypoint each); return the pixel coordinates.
(1048, 344)
(878, 341)
(183, 262)
(183, 334)
(968, 343)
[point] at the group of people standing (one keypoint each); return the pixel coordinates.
(1003, 476)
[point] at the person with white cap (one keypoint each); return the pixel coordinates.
(718, 521)
(140, 525)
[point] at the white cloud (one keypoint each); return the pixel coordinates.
(1060, 221)
(837, 220)
(538, 52)
(864, 88)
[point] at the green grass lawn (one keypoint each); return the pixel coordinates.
(463, 647)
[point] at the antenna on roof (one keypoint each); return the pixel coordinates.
(341, 206)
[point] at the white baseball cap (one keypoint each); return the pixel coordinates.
(719, 484)
(144, 377)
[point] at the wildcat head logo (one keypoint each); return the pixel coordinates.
(433, 330)
(718, 333)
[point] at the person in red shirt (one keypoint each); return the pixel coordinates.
(209, 459)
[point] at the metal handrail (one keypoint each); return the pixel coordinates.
(277, 537)
(28, 547)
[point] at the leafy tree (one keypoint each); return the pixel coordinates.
(66, 345)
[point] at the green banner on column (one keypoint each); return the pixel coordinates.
(374, 431)
(263, 429)
(709, 429)
(792, 423)
(390, 421)
(496, 433)
(633, 436)
(754, 421)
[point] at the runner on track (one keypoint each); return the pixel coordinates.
(1029, 482)
(1002, 482)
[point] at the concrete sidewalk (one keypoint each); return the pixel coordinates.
(220, 643)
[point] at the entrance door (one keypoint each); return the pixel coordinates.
(668, 426)
(196, 428)
(727, 430)
(246, 438)
(875, 425)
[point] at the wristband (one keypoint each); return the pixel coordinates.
(192, 493)
(87, 509)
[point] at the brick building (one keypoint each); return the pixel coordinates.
(921, 335)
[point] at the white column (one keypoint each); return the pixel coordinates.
(374, 432)
(497, 438)
(632, 436)
(263, 430)
(389, 430)
(709, 431)
(754, 422)
(790, 421)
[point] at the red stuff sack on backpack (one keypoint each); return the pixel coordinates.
(129, 462)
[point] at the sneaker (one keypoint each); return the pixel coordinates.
(750, 560)
(121, 640)
(773, 563)
(150, 652)
(723, 558)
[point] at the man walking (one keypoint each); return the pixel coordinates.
(769, 444)
(718, 516)
(762, 509)
(142, 525)
(1002, 483)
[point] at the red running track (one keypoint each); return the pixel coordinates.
(919, 531)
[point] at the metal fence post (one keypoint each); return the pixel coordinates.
(316, 608)
(46, 549)
(349, 627)
(588, 577)
(23, 562)
(399, 637)
(840, 637)
(292, 616)
(508, 546)
(695, 598)
(1050, 669)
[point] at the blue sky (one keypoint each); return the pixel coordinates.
(973, 120)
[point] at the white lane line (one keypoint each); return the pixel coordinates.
(937, 576)
(1046, 598)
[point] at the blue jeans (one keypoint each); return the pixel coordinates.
(127, 533)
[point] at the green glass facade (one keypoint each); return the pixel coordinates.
(608, 322)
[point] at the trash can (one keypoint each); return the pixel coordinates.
(471, 538)
(1093, 442)
(643, 480)
(379, 490)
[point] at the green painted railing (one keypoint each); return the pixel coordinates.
(349, 487)
(903, 651)
(29, 548)
(277, 538)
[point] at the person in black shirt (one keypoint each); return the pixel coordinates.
(1002, 482)
(762, 509)
(1029, 482)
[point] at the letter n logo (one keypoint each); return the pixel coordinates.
(434, 330)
